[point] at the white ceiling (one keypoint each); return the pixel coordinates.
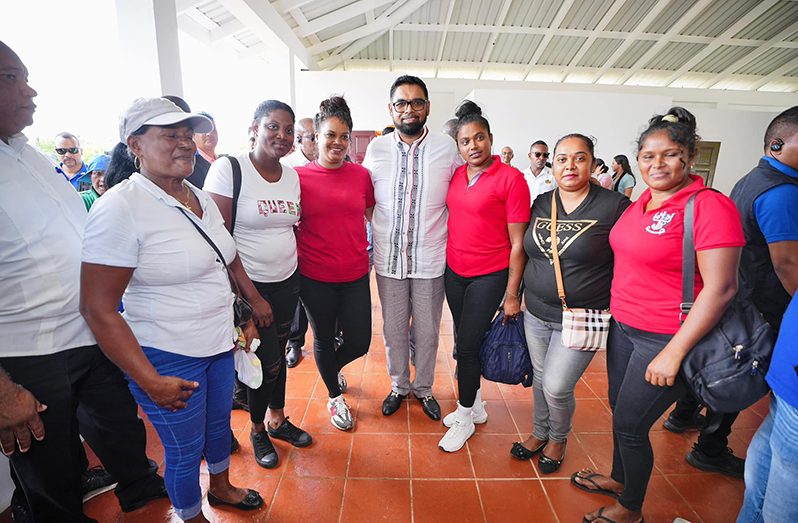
(749, 45)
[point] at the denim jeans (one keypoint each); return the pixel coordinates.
(636, 405)
(556, 369)
(201, 428)
(771, 467)
(473, 302)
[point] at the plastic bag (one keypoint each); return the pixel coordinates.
(248, 366)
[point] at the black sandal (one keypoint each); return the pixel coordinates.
(600, 517)
(519, 451)
(589, 478)
(549, 465)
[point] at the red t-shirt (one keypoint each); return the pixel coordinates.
(331, 236)
(478, 241)
(647, 282)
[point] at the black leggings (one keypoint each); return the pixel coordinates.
(473, 302)
(282, 296)
(636, 406)
(347, 305)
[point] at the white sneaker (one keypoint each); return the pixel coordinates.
(340, 416)
(462, 428)
(342, 382)
(478, 414)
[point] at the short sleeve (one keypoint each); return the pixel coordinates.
(368, 160)
(110, 237)
(518, 204)
(628, 181)
(623, 204)
(776, 212)
(716, 222)
(220, 178)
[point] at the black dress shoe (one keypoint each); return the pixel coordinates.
(290, 433)
(519, 451)
(251, 501)
(678, 424)
(549, 465)
(430, 407)
(293, 356)
(724, 463)
(392, 403)
(265, 454)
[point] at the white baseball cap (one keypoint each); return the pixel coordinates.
(160, 112)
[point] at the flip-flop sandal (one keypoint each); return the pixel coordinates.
(600, 517)
(597, 490)
(519, 451)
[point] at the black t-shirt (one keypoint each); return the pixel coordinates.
(585, 255)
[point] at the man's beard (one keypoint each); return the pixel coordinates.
(410, 129)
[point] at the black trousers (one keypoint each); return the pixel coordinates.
(49, 473)
(283, 297)
(711, 442)
(636, 405)
(329, 306)
(473, 302)
(299, 326)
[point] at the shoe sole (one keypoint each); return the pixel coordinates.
(710, 468)
(473, 431)
(477, 421)
(342, 428)
(96, 492)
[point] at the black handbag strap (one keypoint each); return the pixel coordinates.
(236, 190)
(207, 238)
(688, 257)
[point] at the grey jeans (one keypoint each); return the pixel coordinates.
(556, 371)
(411, 304)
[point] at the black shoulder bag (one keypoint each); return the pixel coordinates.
(726, 368)
(242, 310)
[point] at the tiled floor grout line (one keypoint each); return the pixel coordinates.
(679, 493)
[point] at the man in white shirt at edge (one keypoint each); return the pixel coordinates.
(411, 169)
(305, 151)
(539, 177)
(49, 361)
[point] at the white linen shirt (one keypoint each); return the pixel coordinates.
(41, 230)
(179, 298)
(295, 159)
(410, 187)
(265, 217)
(540, 184)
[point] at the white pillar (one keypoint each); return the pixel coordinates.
(292, 77)
(150, 50)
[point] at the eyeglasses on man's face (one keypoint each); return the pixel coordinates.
(416, 104)
(63, 150)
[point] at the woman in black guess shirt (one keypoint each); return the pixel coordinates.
(585, 214)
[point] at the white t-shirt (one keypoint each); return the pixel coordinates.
(179, 298)
(41, 230)
(295, 159)
(265, 217)
(540, 184)
(410, 187)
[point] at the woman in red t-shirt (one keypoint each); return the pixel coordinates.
(332, 253)
(647, 339)
(488, 214)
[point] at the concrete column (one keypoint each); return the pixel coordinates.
(150, 50)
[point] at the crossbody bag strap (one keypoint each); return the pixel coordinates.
(236, 166)
(207, 238)
(688, 257)
(555, 252)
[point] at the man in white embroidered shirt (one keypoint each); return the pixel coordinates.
(538, 176)
(50, 365)
(411, 169)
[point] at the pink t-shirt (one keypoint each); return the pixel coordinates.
(647, 283)
(331, 236)
(478, 241)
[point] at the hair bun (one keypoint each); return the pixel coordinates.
(333, 104)
(467, 108)
(677, 115)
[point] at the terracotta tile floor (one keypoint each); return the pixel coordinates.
(390, 469)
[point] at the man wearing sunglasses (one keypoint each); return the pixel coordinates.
(538, 176)
(305, 148)
(411, 169)
(70, 161)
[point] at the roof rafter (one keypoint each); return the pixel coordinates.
(552, 29)
(789, 66)
(339, 15)
(500, 19)
(606, 19)
(439, 56)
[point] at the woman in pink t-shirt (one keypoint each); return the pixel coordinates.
(332, 249)
(647, 339)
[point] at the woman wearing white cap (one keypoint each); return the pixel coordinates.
(175, 339)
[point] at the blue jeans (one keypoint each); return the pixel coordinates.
(201, 428)
(771, 467)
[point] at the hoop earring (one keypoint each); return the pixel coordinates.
(137, 163)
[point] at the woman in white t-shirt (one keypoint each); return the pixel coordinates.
(144, 238)
(263, 227)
